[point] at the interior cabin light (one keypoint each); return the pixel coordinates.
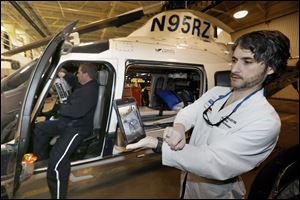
(219, 30)
(240, 14)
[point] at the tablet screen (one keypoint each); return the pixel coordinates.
(129, 120)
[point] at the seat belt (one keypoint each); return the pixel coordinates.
(183, 186)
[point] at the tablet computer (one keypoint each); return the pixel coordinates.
(129, 120)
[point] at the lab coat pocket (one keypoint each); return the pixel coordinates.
(217, 134)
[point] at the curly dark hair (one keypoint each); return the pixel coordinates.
(270, 47)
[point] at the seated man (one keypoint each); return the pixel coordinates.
(75, 122)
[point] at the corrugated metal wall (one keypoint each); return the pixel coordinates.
(288, 25)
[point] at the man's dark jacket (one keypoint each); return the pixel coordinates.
(78, 111)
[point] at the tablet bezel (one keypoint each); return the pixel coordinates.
(121, 103)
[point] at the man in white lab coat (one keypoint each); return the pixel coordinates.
(235, 128)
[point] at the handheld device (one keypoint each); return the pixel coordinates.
(129, 120)
(63, 89)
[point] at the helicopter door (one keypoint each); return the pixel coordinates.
(12, 152)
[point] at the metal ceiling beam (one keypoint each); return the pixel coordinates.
(38, 19)
(23, 13)
(213, 4)
(116, 21)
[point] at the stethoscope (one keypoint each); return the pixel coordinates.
(205, 117)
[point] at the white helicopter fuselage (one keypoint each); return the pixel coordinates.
(212, 56)
(174, 37)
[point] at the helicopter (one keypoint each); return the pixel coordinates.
(176, 50)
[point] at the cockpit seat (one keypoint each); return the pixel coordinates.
(98, 116)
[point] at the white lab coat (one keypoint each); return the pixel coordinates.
(245, 140)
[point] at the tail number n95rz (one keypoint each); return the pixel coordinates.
(185, 24)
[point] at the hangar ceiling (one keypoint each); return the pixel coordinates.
(48, 17)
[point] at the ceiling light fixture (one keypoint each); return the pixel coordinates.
(240, 14)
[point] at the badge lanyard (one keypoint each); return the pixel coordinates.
(235, 108)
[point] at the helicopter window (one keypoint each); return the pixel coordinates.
(162, 89)
(18, 77)
(6, 40)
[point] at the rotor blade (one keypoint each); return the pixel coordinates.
(116, 21)
(27, 47)
(290, 76)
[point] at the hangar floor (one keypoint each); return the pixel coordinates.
(146, 178)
